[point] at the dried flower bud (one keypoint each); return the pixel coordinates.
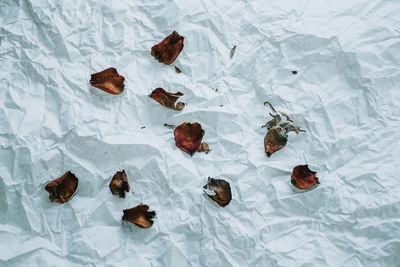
(119, 184)
(203, 147)
(62, 189)
(188, 137)
(167, 99)
(139, 215)
(109, 81)
(222, 191)
(303, 177)
(168, 50)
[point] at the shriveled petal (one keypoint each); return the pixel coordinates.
(167, 99)
(168, 50)
(222, 191)
(62, 189)
(139, 215)
(203, 147)
(303, 177)
(188, 137)
(119, 184)
(109, 81)
(274, 140)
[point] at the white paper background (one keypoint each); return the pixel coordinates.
(346, 94)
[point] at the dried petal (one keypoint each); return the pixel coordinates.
(188, 137)
(139, 215)
(294, 72)
(177, 70)
(222, 191)
(109, 81)
(274, 140)
(119, 184)
(203, 147)
(303, 177)
(167, 99)
(169, 48)
(233, 51)
(62, 189)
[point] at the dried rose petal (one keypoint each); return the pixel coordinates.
(119, 184)
(169, 48)
(167, 99)
(303, 177)
(177, 70)
(139, 215)
(222, 191)
(62, 189)
(188, 137)
(203, 147)
(109, 81)
(274, 140)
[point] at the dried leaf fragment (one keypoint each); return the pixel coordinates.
(233, 51)
(167, 99)
(109, 81)
(119, 184)
(168, 49)
(139, 215)
(303, 177)
(177, 70)
(222, 190)
(62, 189)
(188, 137)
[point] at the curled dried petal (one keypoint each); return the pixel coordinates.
(177, 70)
(109, 81)
(62, 189)
(203, 147)
(274, 140)
(188, 137)
(168, 49)
(222, 191)
(139, 215)
(303, 177)
(167, 99)
(119, 184)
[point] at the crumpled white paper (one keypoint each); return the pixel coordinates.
(346, 94)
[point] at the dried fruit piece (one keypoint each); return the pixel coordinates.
(168, 50)
(188, 137)
(167, 99)
(119, 184)
(139, 215)
(109, 81)
(62, 189)
(177, 70)
(222, 191)
(303, 177)
(203, 147)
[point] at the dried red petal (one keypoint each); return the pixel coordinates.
(274, 140)
(119, 184)
(139, 215)
(168, 50)
(222, 191)
(109, 81)
(62, 189)
(188, 137)
(303, 177)
(167, 99)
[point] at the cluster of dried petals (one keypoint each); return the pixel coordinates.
(168, 49)
(139, 215)
(167, 99)
(109, 81)
(222, 191)
(119, 184)
(62, 189)
(303, 177)
(188, 137)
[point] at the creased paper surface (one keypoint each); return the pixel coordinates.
(346, 94)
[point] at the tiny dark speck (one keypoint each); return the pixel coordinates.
(294, 72)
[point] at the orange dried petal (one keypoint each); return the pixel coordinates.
(109, 81)
(168, 49)
(222, 190)
(119, 184)
(139, 215)
(62, 189)
(167, 99)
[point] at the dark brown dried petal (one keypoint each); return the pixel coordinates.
(169, 48)
(222, 191)
(177, 70)
(119, 184)
(188, 137)
(303, 177)
(62, 189)
(203, 147)
(109, 81)
(167, 99)
(139, 215)
(274, 140)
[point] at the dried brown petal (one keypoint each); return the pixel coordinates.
(232, 51)
(188, 137)
(139, 215)
(169, 48)
(119, 184)
(167, 99)
(203, 147)
(222, 191)
(274, 140)
(177, 70)
(62, 189)
(294, 72)
(109, 81)
(303, 177)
